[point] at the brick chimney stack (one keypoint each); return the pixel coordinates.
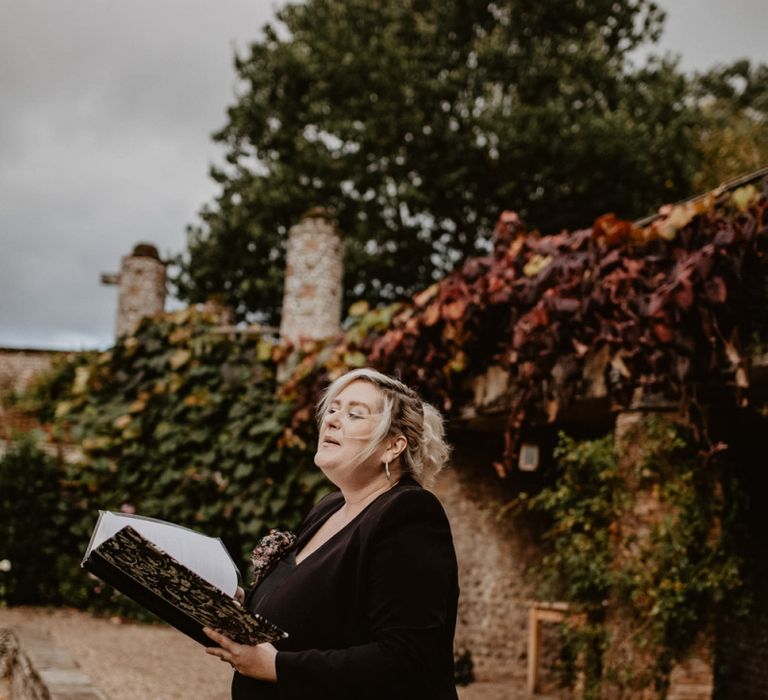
(313, 279)
(141, 287)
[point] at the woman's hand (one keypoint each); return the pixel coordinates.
(239, 596)
(255, 661)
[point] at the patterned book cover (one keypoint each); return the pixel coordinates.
(164, 586)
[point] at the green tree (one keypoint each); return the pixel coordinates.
(416, 122)
(733, 138)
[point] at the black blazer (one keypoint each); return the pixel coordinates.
(371, 614)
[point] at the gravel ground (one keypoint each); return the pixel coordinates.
(154, 662)
(130, 661)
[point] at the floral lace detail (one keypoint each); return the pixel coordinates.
(268, 551)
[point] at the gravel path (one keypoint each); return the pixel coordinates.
(131, 661)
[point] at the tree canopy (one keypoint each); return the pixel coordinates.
(416, 122)
(733, 137)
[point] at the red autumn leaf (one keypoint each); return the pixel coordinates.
(495, 284)
(628, 304)
(704, 261)
(391, 340)
(684, 296)
(431, 315)
(424, 297)
(655, 303)
(538, 316)
(725, 236)
(662, 332)
(454, 311)
(515, 247)
(475, 268)
(634, 267)
(610, 228)
(501, 297)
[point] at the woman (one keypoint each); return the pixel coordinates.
(368, 594)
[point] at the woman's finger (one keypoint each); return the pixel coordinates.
(221, 654)
(221, 639)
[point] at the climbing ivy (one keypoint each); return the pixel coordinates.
(188, 422)
(670, 578)
(183, 422)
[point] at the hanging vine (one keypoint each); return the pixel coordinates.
(674, 308)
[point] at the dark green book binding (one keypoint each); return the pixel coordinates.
(158, 582)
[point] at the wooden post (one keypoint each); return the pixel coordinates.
(538, 613)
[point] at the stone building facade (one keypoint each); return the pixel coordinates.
(19, 366)
(313, 279)
(18, 369)
(492, 556)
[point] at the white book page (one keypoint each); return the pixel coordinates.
(204, 555)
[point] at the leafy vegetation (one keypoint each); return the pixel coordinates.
(183, 423)
(732, 138)
(35, 528)
(672, 308)
(188, 422)
(669, 576)
(180, 421)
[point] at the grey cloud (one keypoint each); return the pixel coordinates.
(106, 111)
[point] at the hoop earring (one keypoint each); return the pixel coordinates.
(386, 471)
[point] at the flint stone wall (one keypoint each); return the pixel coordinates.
(18, 367)
(313, 280)
(493, 553)
(141, 290)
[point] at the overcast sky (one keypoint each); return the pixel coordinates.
(106, 111)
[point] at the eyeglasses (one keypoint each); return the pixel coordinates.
(351, 415)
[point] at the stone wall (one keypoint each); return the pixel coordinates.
(493, 555)
(313, 279)
(18, 367)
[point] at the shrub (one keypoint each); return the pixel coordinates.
(36, 538)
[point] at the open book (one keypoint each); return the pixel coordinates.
(186, 578)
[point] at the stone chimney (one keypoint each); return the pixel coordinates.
(141, 287)
(313, 279)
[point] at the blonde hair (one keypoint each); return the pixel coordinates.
(402, 413)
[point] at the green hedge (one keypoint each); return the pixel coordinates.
(36, 528)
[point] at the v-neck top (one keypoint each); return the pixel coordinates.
(371, 612)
